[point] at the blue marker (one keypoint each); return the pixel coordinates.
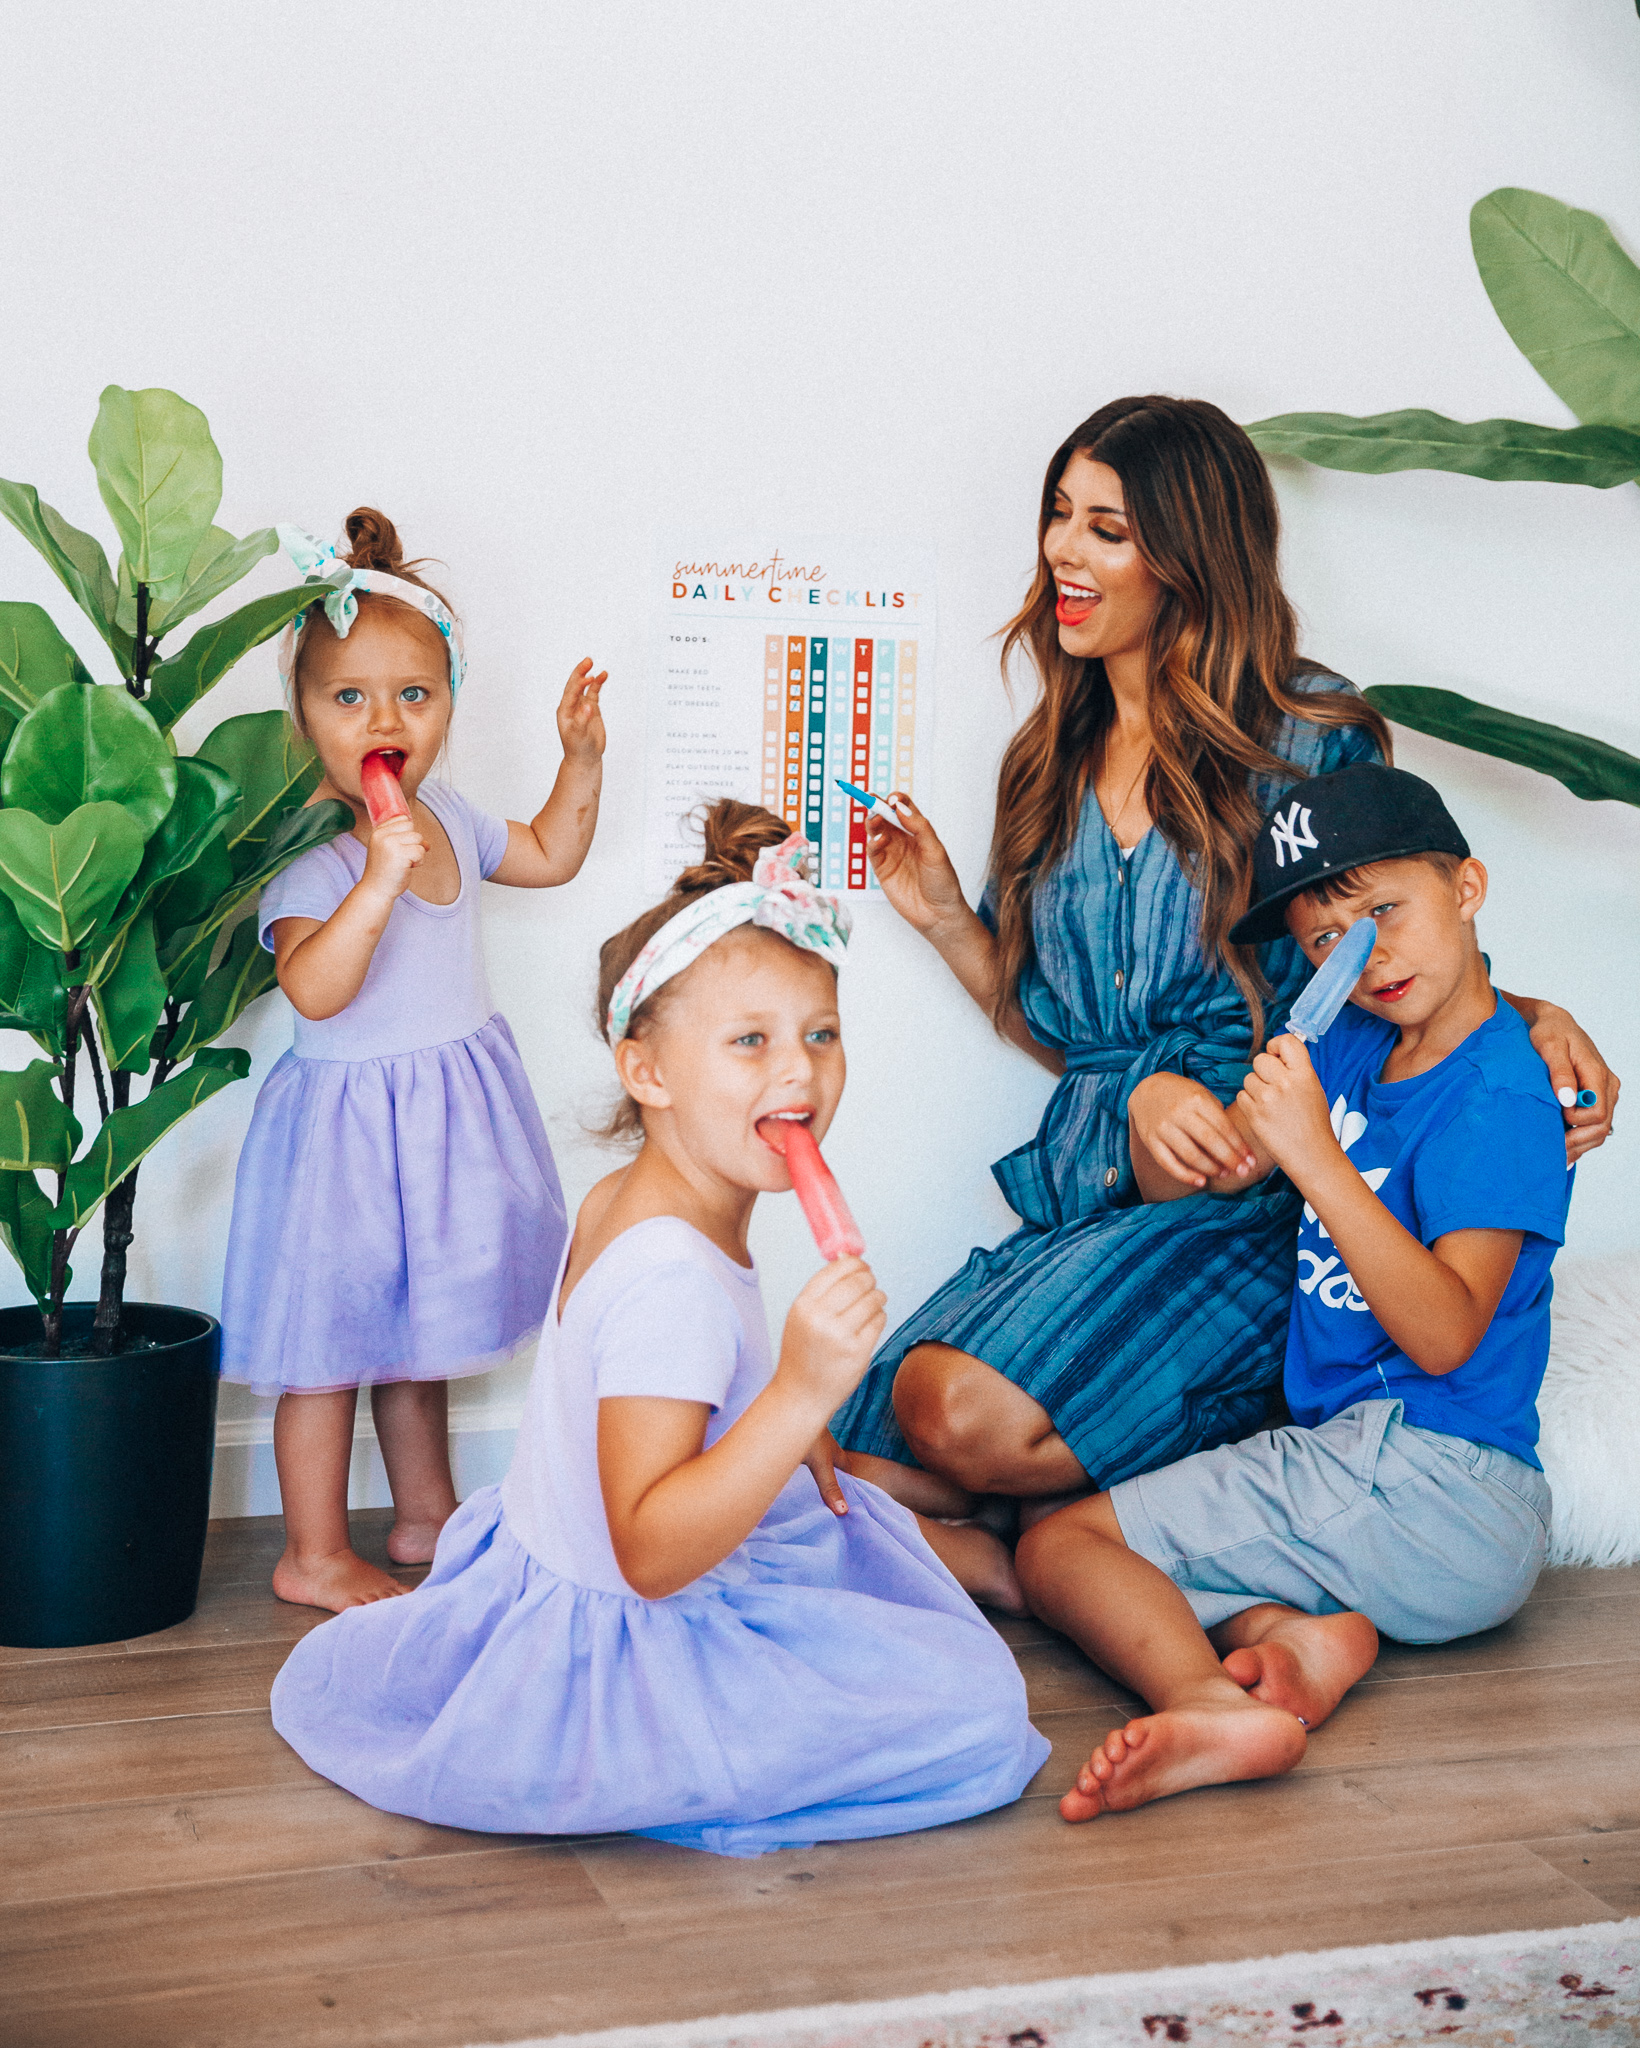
(1586, 1098)
(875, 806)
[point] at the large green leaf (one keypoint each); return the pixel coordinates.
(36, 1131)
(87, 743)
(26, 1227)
(77, 559)
(180, 682)
(193, 895)
(299, 830)
(1589, 768)
(62, 878)
(35, 659)
(205, 800)
(217, 565)
(276, 770)
(1569, 296)
(33, 993)
(1505, 451)
(246, 972)
(160, 476)
(128, 1135)
(130, 997)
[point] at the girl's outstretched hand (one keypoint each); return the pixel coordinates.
(396, 847)
(822, 1462)
(580, 722)
(831, 1332)
(915, 872)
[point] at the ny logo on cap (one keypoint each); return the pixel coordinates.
(1291, 834)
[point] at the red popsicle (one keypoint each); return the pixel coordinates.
(379, 777)
(835, 1230)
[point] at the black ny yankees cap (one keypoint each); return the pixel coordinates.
(1331, 823)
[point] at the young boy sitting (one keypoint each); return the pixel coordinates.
(1423, 1132)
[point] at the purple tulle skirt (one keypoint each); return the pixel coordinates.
(827, 1682)
(393, 1219)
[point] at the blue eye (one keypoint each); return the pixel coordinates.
(824, 1036)
(350, 696)
(415, 694)
(750, 1038)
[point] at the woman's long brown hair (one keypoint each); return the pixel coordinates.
(1223, 660)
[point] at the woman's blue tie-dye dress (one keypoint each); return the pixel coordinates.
(1146, 1331)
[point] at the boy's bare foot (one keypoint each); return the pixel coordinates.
(1305, 1662)
(341, 1579)
(1213, 1743)
(413, 1542)
(981, 1563)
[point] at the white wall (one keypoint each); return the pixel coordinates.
(542, 280)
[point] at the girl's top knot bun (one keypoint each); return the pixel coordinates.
(373, 542)
(734, 834)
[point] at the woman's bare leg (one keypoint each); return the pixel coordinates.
(413, 1429)
(966, 1422)
(313, 1447)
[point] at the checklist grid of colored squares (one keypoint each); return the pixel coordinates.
(836, 708)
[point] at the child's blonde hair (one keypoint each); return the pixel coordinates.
(373, 543)
(734, 834)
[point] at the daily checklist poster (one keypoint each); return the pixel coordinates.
(779, 667)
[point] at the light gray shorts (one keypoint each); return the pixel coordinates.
(1429, 1536)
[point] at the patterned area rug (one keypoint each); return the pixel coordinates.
(1569, 1986)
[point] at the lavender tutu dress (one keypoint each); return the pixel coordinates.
(829, 1680)
(397, 1214)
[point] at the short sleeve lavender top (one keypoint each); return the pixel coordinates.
(426, 984)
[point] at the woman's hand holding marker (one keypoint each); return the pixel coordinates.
(914, 869)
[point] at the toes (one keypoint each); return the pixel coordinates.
(1246, 1667)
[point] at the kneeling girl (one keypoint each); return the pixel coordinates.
(661, 1621)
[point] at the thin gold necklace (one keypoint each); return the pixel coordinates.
(1114, 821)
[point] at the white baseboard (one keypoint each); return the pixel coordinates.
(245, 1482)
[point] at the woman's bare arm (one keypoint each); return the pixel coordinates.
(917, 877)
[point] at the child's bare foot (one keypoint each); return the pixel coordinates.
(1213, 1743)
(1305, 1662)
(341, 1579)
(414, 1542)
(981, 1563)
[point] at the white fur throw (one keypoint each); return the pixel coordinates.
(1590, 1409)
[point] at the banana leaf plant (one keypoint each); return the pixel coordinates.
(128, 871)
(1569, 296)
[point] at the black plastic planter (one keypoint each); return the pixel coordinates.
(105, 1477)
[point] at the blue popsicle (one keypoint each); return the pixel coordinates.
(1330, 990)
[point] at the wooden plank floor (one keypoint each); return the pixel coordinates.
(173, 1876)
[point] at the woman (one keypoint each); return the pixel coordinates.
(1140, 1312)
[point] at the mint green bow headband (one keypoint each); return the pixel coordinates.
(340, 584)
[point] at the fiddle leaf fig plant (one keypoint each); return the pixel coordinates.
(1569, 296)
(129, 872)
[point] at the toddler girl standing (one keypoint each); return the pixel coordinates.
(397, 1217)
(660, 1621)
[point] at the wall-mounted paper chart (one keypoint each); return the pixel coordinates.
(780, 668)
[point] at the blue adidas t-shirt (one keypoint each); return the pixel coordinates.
(1477, 1143)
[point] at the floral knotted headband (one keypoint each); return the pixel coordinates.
(337, 585)
(779, 898)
